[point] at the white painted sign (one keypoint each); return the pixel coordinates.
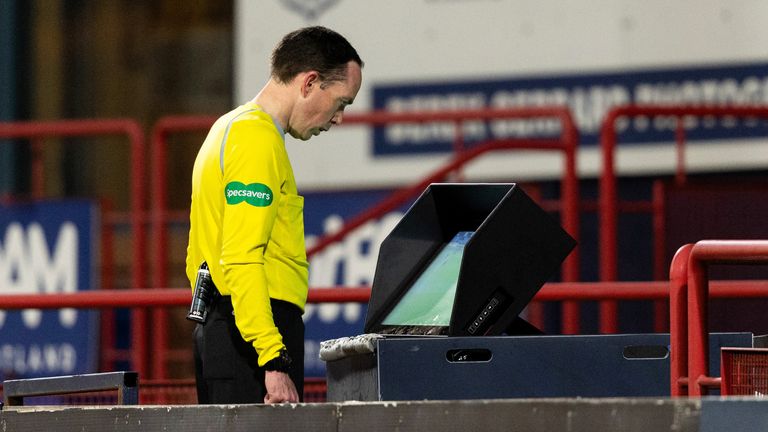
(443, 42)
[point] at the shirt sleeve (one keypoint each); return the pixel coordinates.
(252, 182)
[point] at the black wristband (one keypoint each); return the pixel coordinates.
(281, 363)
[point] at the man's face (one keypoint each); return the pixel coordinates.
(324, 103)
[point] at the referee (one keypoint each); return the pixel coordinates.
(246, 222)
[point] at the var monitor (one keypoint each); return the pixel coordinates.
(465, 260)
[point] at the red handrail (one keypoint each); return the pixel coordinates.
(702, 254)
(676, 291)
(689, 293)
(678, 321)
(608, 199)
(552, 291)
(36, 130)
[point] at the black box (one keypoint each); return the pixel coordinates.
(417, 368)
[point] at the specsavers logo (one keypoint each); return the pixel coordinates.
(255, 194)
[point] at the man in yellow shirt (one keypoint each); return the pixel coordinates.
(246, 222)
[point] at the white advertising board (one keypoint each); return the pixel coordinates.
(590, 55)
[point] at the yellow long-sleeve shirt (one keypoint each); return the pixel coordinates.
(246, 222)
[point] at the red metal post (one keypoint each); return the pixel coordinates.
(108, 326)
(698, 340)
(678, 321)
(158, 201)
(703, 253)
(571, 314)
(158, 186)
(158, 221)
(608, 221)
(570, 194)
(659, 251)
(139, 325)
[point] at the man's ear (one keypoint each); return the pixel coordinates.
(309, 82)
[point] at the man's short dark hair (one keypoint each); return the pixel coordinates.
(313, 48)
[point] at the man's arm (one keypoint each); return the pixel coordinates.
(252, 186)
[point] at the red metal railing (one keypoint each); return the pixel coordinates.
(678, 321)
(551, 291)
(609, 201)
(159, 217)
(676, 292)
(163, 391)
(152, 297)
(35, 131)
(689, 292)
(567, 143)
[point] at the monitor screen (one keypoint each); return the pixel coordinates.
(429, 299)
(464, 260)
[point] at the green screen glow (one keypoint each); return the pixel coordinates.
(429, 300)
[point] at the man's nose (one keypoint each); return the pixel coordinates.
(337, 118)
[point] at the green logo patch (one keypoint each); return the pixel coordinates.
(255, 194)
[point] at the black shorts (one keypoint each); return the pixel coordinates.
(226, 366)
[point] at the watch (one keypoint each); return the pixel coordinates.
(281, 363)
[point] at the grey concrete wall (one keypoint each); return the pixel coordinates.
(533, 415)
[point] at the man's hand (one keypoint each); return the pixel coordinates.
(280, 388)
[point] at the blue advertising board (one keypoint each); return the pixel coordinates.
(589, 96)
(48, 247)
(348, 263)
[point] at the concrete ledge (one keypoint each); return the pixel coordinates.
(186, 418)
(573, 415)
(532, 415)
